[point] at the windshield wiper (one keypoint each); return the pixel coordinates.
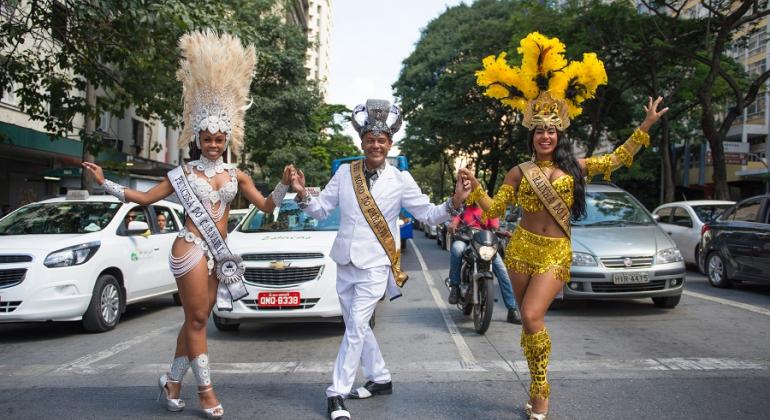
(605, 223)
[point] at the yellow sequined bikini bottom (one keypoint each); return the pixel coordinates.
(529, 253)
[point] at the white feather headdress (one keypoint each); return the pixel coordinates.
(216, 72)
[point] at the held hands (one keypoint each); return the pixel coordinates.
(288, 170)
(652, 113)
(298, 182)
(462, 189)
(468, 175)
(95, 171)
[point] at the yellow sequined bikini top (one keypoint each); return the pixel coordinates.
(563, 185)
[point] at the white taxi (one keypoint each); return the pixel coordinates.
(84, 258)
(289, 275)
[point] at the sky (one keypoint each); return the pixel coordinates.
(370, 39)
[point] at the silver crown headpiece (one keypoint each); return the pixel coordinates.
(377, 116)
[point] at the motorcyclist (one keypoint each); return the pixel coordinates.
(471, 217)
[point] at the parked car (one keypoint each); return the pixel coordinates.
(84, 258)
(736, 246)
(289, 275)
(430, 230)
(683, 221)
(620, 252)
(443, 238)
(235, 216)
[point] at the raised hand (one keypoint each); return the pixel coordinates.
(467, 174)
(653, 115)
(298, 181)
(288, 170)
(95, 171)
(462, 189)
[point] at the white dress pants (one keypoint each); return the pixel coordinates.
(359, 291)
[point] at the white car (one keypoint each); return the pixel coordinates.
(84, 258)
(235, 216)
(289, 275)
(683, 221)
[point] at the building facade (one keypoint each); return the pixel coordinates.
(319, 34)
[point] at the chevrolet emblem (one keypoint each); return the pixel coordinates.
(279, 265)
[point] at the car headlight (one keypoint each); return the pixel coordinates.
(487, 252)
(74, 255)
(669, 255)
(582, 259)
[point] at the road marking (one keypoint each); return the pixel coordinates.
(588, 366)
(83, 364)
(468, 360)
(746, 306)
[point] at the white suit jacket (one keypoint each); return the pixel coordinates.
(355, 242)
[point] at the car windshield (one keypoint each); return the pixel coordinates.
(612, 209)
(707, 213)
(287, 219)
(59, 218)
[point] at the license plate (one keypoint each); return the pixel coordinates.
(630, 278)
(277, 299)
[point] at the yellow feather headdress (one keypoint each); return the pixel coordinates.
(216, 72)
(546, 88)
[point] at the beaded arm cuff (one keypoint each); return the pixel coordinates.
(622, 156)
(114, 189)
(278, 193)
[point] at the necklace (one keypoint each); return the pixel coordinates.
(209, 167)
(544, 163)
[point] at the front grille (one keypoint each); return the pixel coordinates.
(11, 306)
(303, 304)
(278, 256)
(619, 262)
(9, 259)
(12, 277)
(604, 287)
(287, 276)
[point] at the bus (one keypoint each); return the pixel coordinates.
(406, 218)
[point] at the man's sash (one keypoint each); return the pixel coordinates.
(377, 221)
(229, 267)
(551, 200)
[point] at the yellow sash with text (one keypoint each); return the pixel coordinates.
(551, 200)
(377, 221)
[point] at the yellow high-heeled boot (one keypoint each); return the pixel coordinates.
(537, 350)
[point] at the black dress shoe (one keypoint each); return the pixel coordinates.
(454, 295)
(335, 406)
(371, 389)
(514, 317)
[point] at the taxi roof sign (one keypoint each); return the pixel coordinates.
(77, 195)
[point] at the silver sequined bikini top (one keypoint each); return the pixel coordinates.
(205, 191)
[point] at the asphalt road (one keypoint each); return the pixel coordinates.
(708, 358)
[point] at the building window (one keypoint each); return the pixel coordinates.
(104, 121)
(59, 14)
(757, 107)
(757, 43)
(138, 135)
(9, 97)
(756, 68)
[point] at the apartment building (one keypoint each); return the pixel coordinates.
(319, 34)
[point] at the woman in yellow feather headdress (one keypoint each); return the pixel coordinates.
(216, 72)
(548, 90)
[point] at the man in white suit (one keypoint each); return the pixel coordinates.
(364, 269)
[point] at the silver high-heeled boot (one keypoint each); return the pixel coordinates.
(179, 368)
(200, 368)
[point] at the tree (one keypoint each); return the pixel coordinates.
(727, 24)
(449, 119)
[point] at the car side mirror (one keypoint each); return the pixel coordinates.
(138, 228)
(656, 217)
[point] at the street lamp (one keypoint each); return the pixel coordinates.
(767, 171)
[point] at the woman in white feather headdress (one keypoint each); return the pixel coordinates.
(216, 72)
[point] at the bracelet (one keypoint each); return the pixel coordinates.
(451, 209)
(304, 201)
(114, 189)
(278, 193)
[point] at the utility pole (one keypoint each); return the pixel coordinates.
(90, 128)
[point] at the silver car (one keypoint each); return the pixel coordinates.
(620, 252)
(684, 220)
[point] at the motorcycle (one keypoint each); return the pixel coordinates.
(476, 278)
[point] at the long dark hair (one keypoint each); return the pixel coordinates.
(564, 158)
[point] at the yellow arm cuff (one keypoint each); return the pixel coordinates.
(622, 156)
